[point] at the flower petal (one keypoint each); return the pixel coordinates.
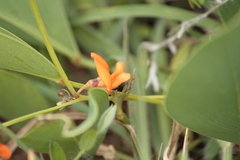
(103, 70)
(122, 77)
(119, 68)
(100, 60)
(5, 152)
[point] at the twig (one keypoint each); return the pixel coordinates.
(184, 26)
(172, 147)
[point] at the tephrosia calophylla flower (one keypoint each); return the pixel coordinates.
(107, 80)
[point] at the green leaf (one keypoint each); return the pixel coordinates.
(227, 11)
(18, 96)
(211, 150)
(197, 3)
(181, 57)
(56, 152)
(93, 40)
(101, 97)
(18, 18)
(93, 114)
(204, 94)
(106, 119)
(18, 56)
(39, 137)
(138, 109)
(87, 140)
(139, 10)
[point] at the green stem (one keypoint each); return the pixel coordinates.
(227, 151)
(155, 99)
(144, 99)
(32, 115)
(76, 84)
(79, 155)
(121, 155)
(49, 46)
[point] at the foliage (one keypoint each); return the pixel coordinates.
(185, 73)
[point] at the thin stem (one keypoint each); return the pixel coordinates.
(155, 99)
(144, 99)
(32, 115)
(121, 155)
(184, 26)
(79, 155)
(227, 151)
(49, 46)
(185, 146)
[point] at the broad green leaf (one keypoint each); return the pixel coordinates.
(39, 137)
(18, 56)
(18, 96)
(18, 18)
(106, 119)
(56, 152)
(204, 94)
(140, 10)
(87, 140)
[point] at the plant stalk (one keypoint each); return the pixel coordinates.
(50, 49)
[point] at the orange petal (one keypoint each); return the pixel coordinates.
(119, 68)
(5, 151)
(103, 70)
(100, 60)
(122, 77)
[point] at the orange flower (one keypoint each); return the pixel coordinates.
(5, 152)
(108, 81)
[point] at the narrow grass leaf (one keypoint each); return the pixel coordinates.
(140, 10)
(93, 40)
